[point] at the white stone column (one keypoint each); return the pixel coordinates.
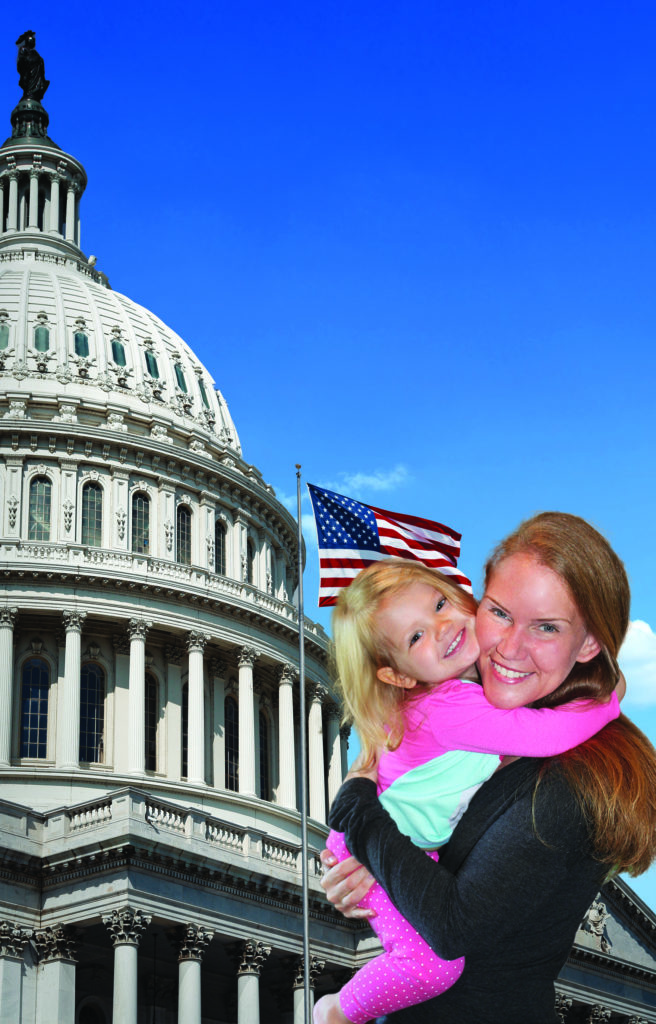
(287, 764)
(125, 928)
(137, 629)
(217, 675)
(247, 656)
(315, 754)
(70, 212)
(7, 620)
(192, 948)
(55, 992)
(334, 752)
(196, 642)
(68, 699)
(316, 967)
(33, 214)
(13, 941)
(54, 203)
(174, 654)
(253, 956)
(12, 213)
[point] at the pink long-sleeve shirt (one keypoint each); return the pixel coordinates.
(452, 743)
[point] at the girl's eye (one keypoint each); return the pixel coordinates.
(413, 639)
(440, 604)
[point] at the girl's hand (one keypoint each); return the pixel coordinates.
(345, 884)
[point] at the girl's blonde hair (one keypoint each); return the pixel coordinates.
(360, 648)
(613, 774)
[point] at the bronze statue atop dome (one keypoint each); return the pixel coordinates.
(31, 69)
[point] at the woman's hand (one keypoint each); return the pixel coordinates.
(371, 772)
(346, 883)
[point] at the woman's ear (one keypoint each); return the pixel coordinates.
(388, 675)
(589, 649)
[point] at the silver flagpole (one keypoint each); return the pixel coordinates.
(304, 763)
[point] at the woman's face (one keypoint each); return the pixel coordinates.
(530, 632)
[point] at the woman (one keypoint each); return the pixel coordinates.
(540, 837)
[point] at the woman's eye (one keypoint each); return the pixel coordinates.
(414, 638)
(499, 612)
(548, 627)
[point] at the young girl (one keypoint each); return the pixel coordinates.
(405, 651)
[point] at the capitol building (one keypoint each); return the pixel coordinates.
(151, 855)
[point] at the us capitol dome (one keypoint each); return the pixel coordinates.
(149, 665)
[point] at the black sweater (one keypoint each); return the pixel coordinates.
(509, 891)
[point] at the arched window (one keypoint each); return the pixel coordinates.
(41, 339)
(183, 535)
(180, 377)
(250, 561)
(35, 685)
(201, 386)
(185, 730)
(151, 364)
(152, 712)
(140, 523)
(81, 344)
(92, 713)
(40, 508)
(220, 547)
(265, 778)
(4, 336)
(231, 744)
(92, 514)
(118, 352)
(92, 1014)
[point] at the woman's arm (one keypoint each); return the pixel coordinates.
(507, 873)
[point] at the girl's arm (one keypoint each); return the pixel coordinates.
(464, 720)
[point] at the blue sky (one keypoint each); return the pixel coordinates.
(413, 243)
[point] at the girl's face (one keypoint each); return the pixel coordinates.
(430, 639)
(530, 632)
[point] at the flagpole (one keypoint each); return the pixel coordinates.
(304, 763)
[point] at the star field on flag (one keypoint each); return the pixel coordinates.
(353, 535)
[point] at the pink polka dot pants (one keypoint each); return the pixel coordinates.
(408, 972)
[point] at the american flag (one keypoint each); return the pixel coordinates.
(353, 536)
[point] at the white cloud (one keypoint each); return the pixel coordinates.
(360, 483)
(638, 663)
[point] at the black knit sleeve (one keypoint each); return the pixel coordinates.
(523, 856)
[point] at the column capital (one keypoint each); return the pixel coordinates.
(247, 657)
(13, 939)
(137, 628)
(332, 710)
(8, 616)
(344, 732)
(192, 940)
(126, 926)
(316, 967)
(563, 1006)
(57, 943)
(599, 1015)
(287, 673)
(253, 955)
(73, 621)
(317, 692)
(197, 640)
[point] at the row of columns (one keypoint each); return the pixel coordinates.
(56, 951)
(56, 179)
(68, 716)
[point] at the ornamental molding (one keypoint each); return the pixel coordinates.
(126, 926)
(253, 955)
(56, 943)
(13, 939)
(193, 940)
